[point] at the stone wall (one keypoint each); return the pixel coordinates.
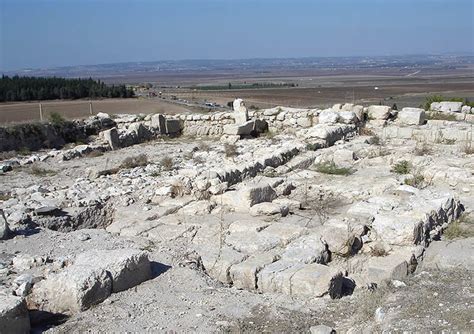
(35, 136)
(434, 131)
(277, 118)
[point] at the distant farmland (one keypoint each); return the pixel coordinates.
(29, 111)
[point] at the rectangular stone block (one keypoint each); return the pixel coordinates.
(14, 317)
(73, 290)
(317, 280)
(172, 126)
(276, 277)
(126, 267)
(158, 123)
(244, 274)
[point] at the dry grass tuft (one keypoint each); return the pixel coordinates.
(167, 163)
(41, 172)
(467, 148)
(422, 149)
(95, 154)
(460, 228)
(230, 150)
(134, 161)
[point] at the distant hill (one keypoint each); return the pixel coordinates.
(250, 65)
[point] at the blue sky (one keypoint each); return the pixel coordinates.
(48, 33)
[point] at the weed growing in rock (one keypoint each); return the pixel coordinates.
(460, 228)
(369, 303)
(167, 163)
(4, 196)
(312, 146)
(270, 134)
(230, 150)
(331, 168)
(198, 160)
(449, 141)
(401, 167)
(467, 148)
(134, 161)
(94, 154)
(188, 155)
(422, 149)
(417, 181)
(204, 147)
(178, 190)
(38, 171)
(378, 251)
(441, 116)
(363, 131)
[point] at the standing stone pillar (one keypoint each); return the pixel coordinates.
(240, 112)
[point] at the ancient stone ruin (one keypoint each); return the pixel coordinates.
(316, 207)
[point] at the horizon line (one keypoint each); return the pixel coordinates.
(458, 54)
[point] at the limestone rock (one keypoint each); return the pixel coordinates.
(379, 112)
(172, 126)
(126, 267)
(321, 329)
(344, 157)
(240, 112)
(268, 209)
(73, 290)
(244, 128)
(445, 255)
(394, 266)
(158, 123)
(248, 196)
(317, 280)
(5, 232)
(328, 117)
(348, 117)
(446, 106)
(14, 317)
(102, 115)
(112, 137)
(466, 109)
(307, 249)
(244, 274)
(411, 116)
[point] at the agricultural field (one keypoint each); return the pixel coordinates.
(24, 112)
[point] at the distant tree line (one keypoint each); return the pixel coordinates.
(18, 88)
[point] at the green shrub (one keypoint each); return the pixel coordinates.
(416, 181)
(56, 119)
(332, 168)
(402, 167)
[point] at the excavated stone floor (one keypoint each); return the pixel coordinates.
(273, 234)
